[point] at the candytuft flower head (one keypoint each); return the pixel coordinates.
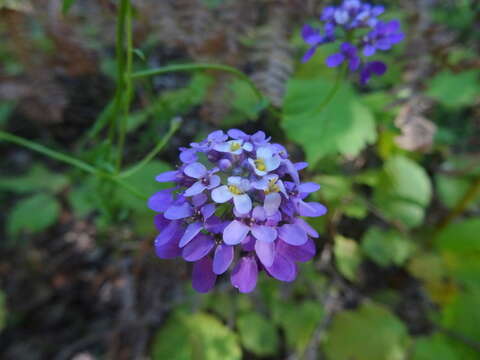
(361, 34)
(236, 204)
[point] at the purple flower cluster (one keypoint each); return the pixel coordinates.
(363, 34)
(236, 202)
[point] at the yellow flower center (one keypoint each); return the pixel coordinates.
(260, 164)
(234, 190)
(234, 146)
(272, 187)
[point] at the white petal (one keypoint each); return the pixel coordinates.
(272, 203)
(222, 147)
(195, 189)
(264, 153)
(243, 203)
(234, 180)
(195, 170)
(272, 163)
(247, 146)
(221, 194)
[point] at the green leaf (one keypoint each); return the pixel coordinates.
(343, 126)
(257, 334)
(3, 310)
(455, 90)
(38, 178)
(195, 336)
(33, 214)
(66, 5)
(452, 189)
(403, 192)
(347, 256)
(434, 347)
(370, 332)
(299, 321)
(386, 247)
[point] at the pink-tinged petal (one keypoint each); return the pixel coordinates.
(195, 189)
(243, 203)
(306, 227)
(203, 278)
(161, 200)
(235, 232)
(222, 259)
(167, 176)
(207, 211)
(180, 211)
(244, 275)
(265, 252)
(272, 203)
(195, 170)
(248, 244)
(311, 209)
(292, 234)
(199, 247)
(168, 233)
(283, 269)
(308, 187)
(192, 230)
(214, 181)
(221, 194)
(264, 233)
(300, 253)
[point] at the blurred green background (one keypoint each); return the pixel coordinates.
(397, 274)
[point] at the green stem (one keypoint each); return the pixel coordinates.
(68, 160)
(175, 124)
(469, 196)
(333, 91)
(125, 77)
(196, 67)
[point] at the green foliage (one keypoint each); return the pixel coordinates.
(33, 214)
(403, 192)
(455, 90)
(434, 347)
(3, 310)
(38, 178)
(347, 256)
(257, 334)
(195, 336)
(386, 248)
(368, 333)
(344, 125)
(66, 5)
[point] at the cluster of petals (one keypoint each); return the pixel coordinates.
(363, 34)
(236, 203)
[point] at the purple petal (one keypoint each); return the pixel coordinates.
(203, 278)
(244, 275)
(180, 211)
(248, 244)
(192, 230)
(377, 67)
(160, 222)
(215, 225)
(264, 233)
(167, 176)
(222, 259)
(311, 35)
(167, 233)
(300, 165)
(199, 200)
(214, 181)
(306, 227)
(195, 189)
(188, 156)
(195, 170)
(272, 203)
(237, 134)
(300, 253)
(308, 187)
(292, 234)
(308, 54)
(335, 60)
(161, 200)
(311, 209)
(369, 50)
(258, 213)
(198, 247)
(235, 232)
(283, 268)
(265, 252)
(169, 250)
(207, 211)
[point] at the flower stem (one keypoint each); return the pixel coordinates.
(174, 125)
(338, 82)
(197, 67)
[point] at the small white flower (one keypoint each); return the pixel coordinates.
(236, 190)
(265, 162)
(272, 187)
(235, 147)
